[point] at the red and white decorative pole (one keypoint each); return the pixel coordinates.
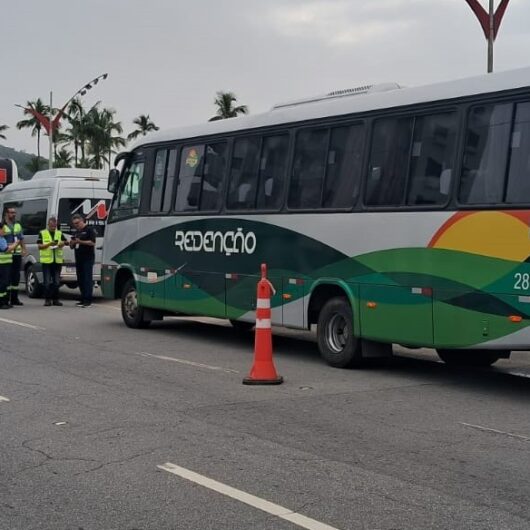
(51, 123)
(490, 22)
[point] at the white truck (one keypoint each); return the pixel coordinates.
(60, 193)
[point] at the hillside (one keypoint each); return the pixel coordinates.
(21, 159)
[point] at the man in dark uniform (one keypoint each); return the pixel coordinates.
(84, 242)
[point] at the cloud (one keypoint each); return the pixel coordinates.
(339, 23)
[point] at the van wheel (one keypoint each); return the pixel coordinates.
(336, 342)
(131, 312)
(471, 358)
(33, 287)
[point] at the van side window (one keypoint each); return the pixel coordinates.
(33, 215)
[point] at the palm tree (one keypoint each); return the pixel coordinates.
(32, 122)
(102, 136)
(36, 164)
(145, 125)
(2, 129)
(78, 131)
(225, 106)
(63, 158)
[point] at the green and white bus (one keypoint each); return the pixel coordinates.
(385, 215)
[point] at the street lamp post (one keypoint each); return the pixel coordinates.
(490, 22)
(51, 123)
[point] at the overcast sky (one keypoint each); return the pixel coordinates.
(167, 58)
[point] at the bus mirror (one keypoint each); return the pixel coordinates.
(114, 179)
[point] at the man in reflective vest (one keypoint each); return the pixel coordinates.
(13, 234)
(6, 259)
(51, 242)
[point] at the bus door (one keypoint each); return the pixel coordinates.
(399, 314)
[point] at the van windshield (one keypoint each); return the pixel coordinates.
(95, 212)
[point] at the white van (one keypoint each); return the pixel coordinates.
(60, 193)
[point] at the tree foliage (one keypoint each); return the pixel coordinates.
(226, 108)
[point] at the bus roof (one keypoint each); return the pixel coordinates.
(350, 104)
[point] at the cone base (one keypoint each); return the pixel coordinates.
(250, 381)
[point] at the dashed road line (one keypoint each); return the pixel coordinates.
(22, 324)
(188, 363)
(3, 398)
(495, 431)
(247, 498)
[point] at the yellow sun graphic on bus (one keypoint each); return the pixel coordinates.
(503, 234)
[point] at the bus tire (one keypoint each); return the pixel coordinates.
(242, 327)
(131, 312)
(336, 342)
(471, 358)
(34, 288)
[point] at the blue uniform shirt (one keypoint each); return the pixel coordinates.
(3, 244)
(10, 238)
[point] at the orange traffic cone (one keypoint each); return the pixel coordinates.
(263, 371)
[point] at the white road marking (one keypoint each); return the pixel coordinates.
(247, 498)
(22, 324)
(487, 429)
(189, 363)
(2, 398)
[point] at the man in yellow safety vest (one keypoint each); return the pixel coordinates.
(14, 234)
(6, 259)
(51, 242)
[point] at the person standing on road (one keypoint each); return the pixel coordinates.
(51, 242)
(84, 242)
(13, 234)
(6, 259)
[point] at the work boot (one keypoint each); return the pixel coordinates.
(3, 303)
(14, 298)
(48, 303)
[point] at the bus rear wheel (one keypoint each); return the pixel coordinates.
(131, 312)
(471, 358)
(336, 342)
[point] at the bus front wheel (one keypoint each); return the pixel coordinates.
(471, 358)
(131, 312)
(336, 342)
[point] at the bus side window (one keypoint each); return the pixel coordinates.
(389, 160)
(343, 171)
(433, 156)
(486, 154)
(243, 180)
(518, 190)
(189, 182)
(309, 169)
(127, 200)
(214, 175)
(273, 167)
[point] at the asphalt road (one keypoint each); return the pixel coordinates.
(100, 427)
